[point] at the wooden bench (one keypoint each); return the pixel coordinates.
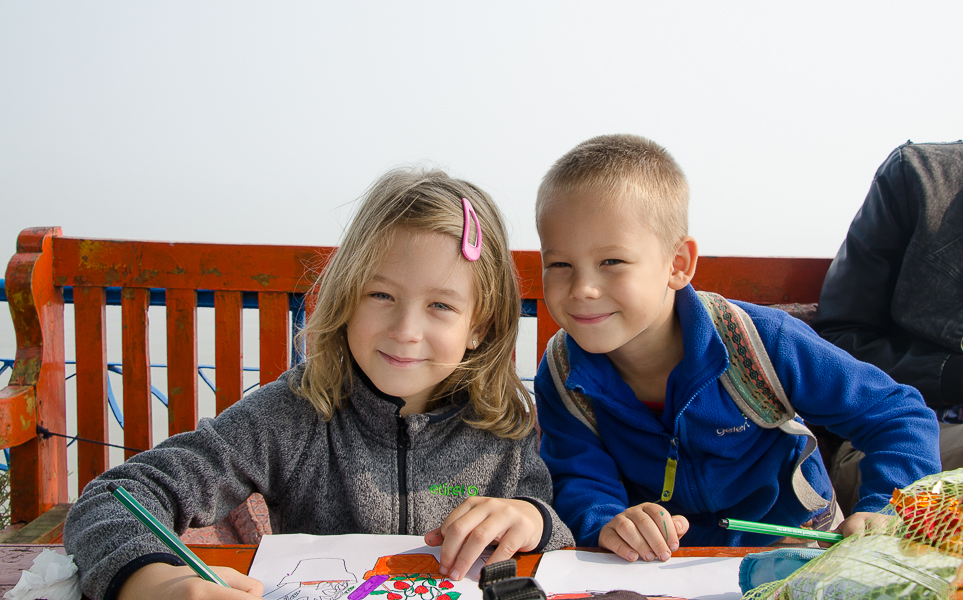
(46, 263)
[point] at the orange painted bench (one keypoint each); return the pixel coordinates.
(46, 262)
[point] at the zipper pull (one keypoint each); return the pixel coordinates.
(668, 486)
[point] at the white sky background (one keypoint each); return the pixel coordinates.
(261, 122)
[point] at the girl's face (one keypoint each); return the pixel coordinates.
(413, 323)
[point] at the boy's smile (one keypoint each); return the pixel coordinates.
(606, 280)
(413, 323)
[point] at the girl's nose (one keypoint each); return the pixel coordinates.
(406, 326)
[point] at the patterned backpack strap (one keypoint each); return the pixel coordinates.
(576, 402)
(752, 383)
(750, 379)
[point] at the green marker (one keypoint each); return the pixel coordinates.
(809, 534)
(164, 534)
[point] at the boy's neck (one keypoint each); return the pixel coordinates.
(645, 364)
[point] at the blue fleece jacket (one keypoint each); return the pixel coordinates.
(727, 467)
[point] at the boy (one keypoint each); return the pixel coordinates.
(617, 260)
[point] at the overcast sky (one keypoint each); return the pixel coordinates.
(261, 122)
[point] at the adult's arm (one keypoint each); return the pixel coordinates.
(855, 304)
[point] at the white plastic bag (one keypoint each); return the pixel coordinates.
(53, 576)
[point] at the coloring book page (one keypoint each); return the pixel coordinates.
(570, 574)
(357, 567)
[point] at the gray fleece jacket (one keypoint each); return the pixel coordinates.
(367, 470)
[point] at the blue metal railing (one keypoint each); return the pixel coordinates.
(158, 297)
(113, 367)
(205, 299)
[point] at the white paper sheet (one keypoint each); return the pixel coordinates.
(706, 578)
(356, 567)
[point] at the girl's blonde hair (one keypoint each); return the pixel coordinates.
(430, 202)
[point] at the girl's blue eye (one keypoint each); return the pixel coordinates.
(612, 261)
(441, 306)
(380, 296)
(558, 265)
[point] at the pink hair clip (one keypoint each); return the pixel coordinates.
(472, 253)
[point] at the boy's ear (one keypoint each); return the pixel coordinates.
(683, 264)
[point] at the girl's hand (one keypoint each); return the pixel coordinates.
(646, 530)
(862, 521)
(160, 581)
(516, 525)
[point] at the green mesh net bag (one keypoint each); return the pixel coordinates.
(916, 554)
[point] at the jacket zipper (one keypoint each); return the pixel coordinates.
(672, 460)
(402, 476)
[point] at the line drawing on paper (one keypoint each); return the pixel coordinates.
(315, 579)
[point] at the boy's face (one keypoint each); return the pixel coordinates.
(605, 277)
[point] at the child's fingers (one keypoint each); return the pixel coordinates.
(161, 581)
(459, 511)
(666, 528)
(860, 521)
(239, 581)
(653, 529)
(463, 537)
(477, 531)
(522, 532)
(471, 548)
(514, 524)
(645, 531)
(434, 537)
(610, 539)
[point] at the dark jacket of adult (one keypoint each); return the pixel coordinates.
(893, 296)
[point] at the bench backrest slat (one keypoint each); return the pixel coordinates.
(90, 332)
(762, 280)
(228, 349)
(182, 265)
(274, 316)
(182, 410)
(138, 433)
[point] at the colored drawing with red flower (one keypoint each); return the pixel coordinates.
(410, 577)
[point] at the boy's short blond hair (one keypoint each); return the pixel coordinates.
(624, 167)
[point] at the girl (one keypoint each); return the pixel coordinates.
(407, 416)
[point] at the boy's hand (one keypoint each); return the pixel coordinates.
(862, 521)
(160, 581)
(516, 525)
(646, 530)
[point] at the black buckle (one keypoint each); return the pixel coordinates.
(499, 581)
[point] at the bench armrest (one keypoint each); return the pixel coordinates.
(35, 394)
